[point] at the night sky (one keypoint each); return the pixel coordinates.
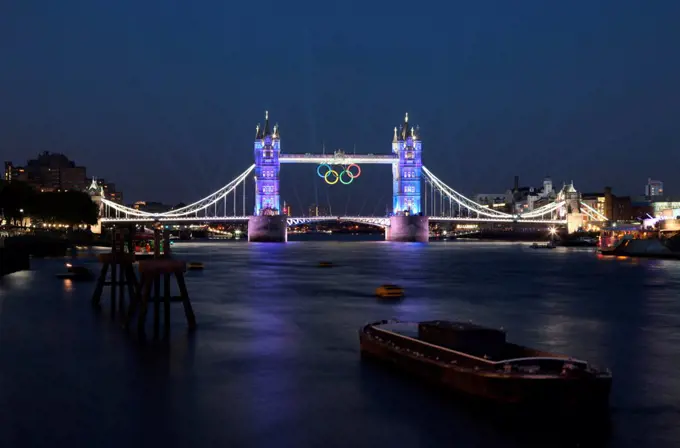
(162, 96)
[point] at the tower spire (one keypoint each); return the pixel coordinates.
(395, 139)
(266, 123)
(404, 127)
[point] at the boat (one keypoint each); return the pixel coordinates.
(550, 245)
(389, 292)
(76, 273)
(581, 241)
(478, 362)
(634, 240)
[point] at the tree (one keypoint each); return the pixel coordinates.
(70, 207)
(17, 199)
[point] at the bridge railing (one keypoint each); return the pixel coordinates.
(216, 204)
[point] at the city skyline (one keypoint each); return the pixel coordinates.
(165, 100)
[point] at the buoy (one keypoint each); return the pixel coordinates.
(195, 266)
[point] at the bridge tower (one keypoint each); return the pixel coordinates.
(407, 222)
(96, 193)
(267, 168)
(406, 175)
(267, 224)
(572, 207)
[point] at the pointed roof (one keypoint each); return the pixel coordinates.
(404, 127)
(266, 130)
(407, 131)
(93, 185)
(263, 131)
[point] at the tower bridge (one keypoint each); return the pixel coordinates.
(414, 186)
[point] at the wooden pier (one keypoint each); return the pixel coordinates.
(154, 285)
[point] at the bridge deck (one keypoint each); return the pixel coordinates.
(339, 159)
(375, 220)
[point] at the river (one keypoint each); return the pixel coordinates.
(275, 361)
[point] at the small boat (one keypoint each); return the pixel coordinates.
(550, 245)
(76, 273)
(478, 362)
(389, 291)
(325, 264)
(195, 266)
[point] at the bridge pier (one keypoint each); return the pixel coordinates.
(268, 229)
(413, 229)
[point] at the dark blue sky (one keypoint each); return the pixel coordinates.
(163, 96)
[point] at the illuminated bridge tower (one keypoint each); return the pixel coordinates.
(267, 223)
(407, 224)
(406, 181)
(267, 168)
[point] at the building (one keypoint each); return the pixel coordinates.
(49, 172)
(55, 172)
(497, 201)
(318, 210)
(152, 207)
(526, 199)
(665, 207)
(15, 173)
(287, 209)
(615, 208)
(653, 188)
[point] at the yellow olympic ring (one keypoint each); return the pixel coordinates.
(337, 177)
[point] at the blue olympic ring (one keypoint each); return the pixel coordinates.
(318, 172)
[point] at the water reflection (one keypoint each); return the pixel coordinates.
(275, 358)
(68, 285)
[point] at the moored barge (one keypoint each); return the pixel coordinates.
(479, 362)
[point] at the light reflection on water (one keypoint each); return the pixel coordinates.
(276, 353)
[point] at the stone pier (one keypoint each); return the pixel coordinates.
(268, 229)
(408, 229)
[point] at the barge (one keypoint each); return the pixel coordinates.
(635, 241)
(478, 362)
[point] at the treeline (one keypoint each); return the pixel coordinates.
(19, 201)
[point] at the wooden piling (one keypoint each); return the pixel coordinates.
(122, 275)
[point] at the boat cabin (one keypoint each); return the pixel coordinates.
(144, 243)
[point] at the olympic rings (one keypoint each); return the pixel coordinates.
(349, 173)
(319, 168)
(332, 176)
(351, 178)
(337, 177)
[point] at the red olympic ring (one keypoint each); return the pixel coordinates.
(349, 173)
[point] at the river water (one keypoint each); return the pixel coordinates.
(275, 359)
